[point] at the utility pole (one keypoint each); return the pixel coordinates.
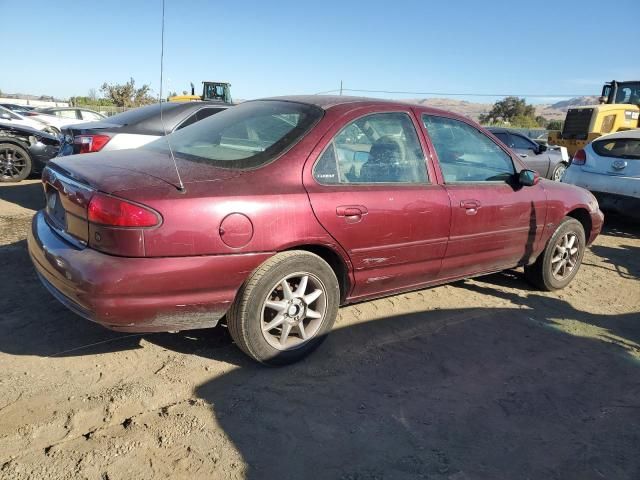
(340, 87)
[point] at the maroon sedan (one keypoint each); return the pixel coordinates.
(294, 206)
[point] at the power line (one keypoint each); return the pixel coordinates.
(455, 94)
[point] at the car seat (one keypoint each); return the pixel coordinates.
(383, 165)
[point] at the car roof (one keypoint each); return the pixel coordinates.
(635, 133)
(59, 109)
(327, 102)
(146, 120)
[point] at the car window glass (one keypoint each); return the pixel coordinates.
(465, 154)
(628, 148)
(66, 114)
(193, 118)
(377, 148)
(246, 136)
(92, 116)
(206, 112)
(521, 143)
(503, 137)
(6, 111)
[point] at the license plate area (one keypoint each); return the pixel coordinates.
(55, 209)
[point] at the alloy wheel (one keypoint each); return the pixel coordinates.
(12, 163)
(558, 172)
(565, 256)
(293, 311)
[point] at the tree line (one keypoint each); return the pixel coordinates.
(515, 112)
(118, 95)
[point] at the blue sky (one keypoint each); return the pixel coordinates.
(65, 47)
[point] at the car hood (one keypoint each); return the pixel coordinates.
(24, 130)
(125, 170)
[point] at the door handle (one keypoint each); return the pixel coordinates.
(351, 213)
(523, 155)
(470, 204)
(351, 210)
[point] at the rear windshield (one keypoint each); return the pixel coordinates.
(246, 136)
(618, 148)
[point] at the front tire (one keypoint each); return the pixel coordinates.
(285, 309)
(561, 259)
(15, 163)
(558, 172)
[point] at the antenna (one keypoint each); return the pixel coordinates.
(180, 185)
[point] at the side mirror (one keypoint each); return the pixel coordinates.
(5, 116)
(542, 148)
(528, 178)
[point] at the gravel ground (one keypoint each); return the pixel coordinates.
(481, 379)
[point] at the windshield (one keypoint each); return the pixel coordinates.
(246, 136)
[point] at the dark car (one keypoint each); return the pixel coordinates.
(72, 113)
(136, 127)
(548, 162)
(24, 151)
(286, 208)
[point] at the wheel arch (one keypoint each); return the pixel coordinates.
(17, 142)
(583, 216)
(336, 261)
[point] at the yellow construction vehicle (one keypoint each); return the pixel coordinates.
(211, 91)
(619, 109)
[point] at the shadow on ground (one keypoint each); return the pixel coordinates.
(457, 394)
(620, 226)
(25, 195)
(534, 390)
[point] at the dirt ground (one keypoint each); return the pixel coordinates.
(482, 379)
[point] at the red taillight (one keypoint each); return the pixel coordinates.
(579, 158)
(111, 211)
(91, 143)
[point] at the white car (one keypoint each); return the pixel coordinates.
(610, 168)
(7, 117)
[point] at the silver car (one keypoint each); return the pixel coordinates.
(134, 128)
(610, 168)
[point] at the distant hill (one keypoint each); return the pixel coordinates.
(576, 102)
(555, 111)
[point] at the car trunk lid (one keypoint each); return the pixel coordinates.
(124, 170)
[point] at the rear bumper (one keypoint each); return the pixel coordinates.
(614, 193)
(138, 294)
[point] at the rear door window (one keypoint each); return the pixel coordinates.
(377, 148)
(198, 115)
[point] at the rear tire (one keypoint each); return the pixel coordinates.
(15, 163)
(276, 325)
(561, 259)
